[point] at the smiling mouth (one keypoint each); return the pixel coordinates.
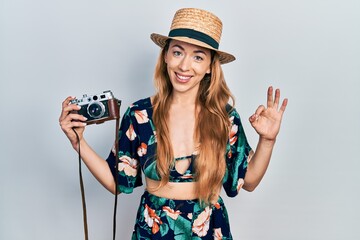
(182, 78)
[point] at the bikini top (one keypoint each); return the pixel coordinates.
(137, 148)
(175, 176)
(150, 170)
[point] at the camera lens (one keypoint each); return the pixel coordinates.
(96, 110)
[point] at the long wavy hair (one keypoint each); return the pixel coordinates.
(212, 128)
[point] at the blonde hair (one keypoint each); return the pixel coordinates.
(211, 128)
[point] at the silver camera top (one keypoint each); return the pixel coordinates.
(106, 95)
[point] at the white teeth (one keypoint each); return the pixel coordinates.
(183, 77)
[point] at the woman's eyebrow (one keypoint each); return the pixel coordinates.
(176, 45)
(195, 51)
(200, 51)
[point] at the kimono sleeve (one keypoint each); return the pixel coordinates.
(129, 170)
(237, 152)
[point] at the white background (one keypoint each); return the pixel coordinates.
(52, 49)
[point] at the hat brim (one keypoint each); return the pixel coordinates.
(160, 40)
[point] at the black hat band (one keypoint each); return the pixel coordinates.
(190, 33)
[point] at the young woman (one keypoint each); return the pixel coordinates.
(187, 139)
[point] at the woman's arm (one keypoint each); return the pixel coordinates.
(266, 122)
(97, 166)
(71, 122)
(259, 161)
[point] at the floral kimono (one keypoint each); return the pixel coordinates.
(162, 218)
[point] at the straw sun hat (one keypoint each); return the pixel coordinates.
(198, 27)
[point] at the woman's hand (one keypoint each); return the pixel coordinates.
(267, 120)
(70, 121)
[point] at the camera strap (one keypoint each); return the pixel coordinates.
(116, 172)
(82, 188)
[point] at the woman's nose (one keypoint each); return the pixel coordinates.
(185, 64)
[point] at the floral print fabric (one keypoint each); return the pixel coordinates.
(164, 217)
(161, 218)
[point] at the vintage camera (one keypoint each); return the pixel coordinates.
(98, 108)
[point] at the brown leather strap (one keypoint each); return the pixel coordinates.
(116, 113)
(116, 174)
(82, 190)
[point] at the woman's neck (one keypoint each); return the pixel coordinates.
(183, 99)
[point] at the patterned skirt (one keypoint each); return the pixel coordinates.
(162, 218)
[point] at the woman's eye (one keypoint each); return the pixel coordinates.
(198, 58)
(176, 53)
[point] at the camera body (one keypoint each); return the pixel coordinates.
(98, 108)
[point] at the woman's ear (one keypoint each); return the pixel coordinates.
(209, 70)
(165, 57)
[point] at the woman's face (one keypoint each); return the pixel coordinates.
(187, 65)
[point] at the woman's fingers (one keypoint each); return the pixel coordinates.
(270, 97)
(67, 126)
(283, 105)
(277, 98)
(257, 113)
(74, 117)
(274, 103)
(67, 101)
(68, 119)
(73, 120)
(66, 108)
(259, 110)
